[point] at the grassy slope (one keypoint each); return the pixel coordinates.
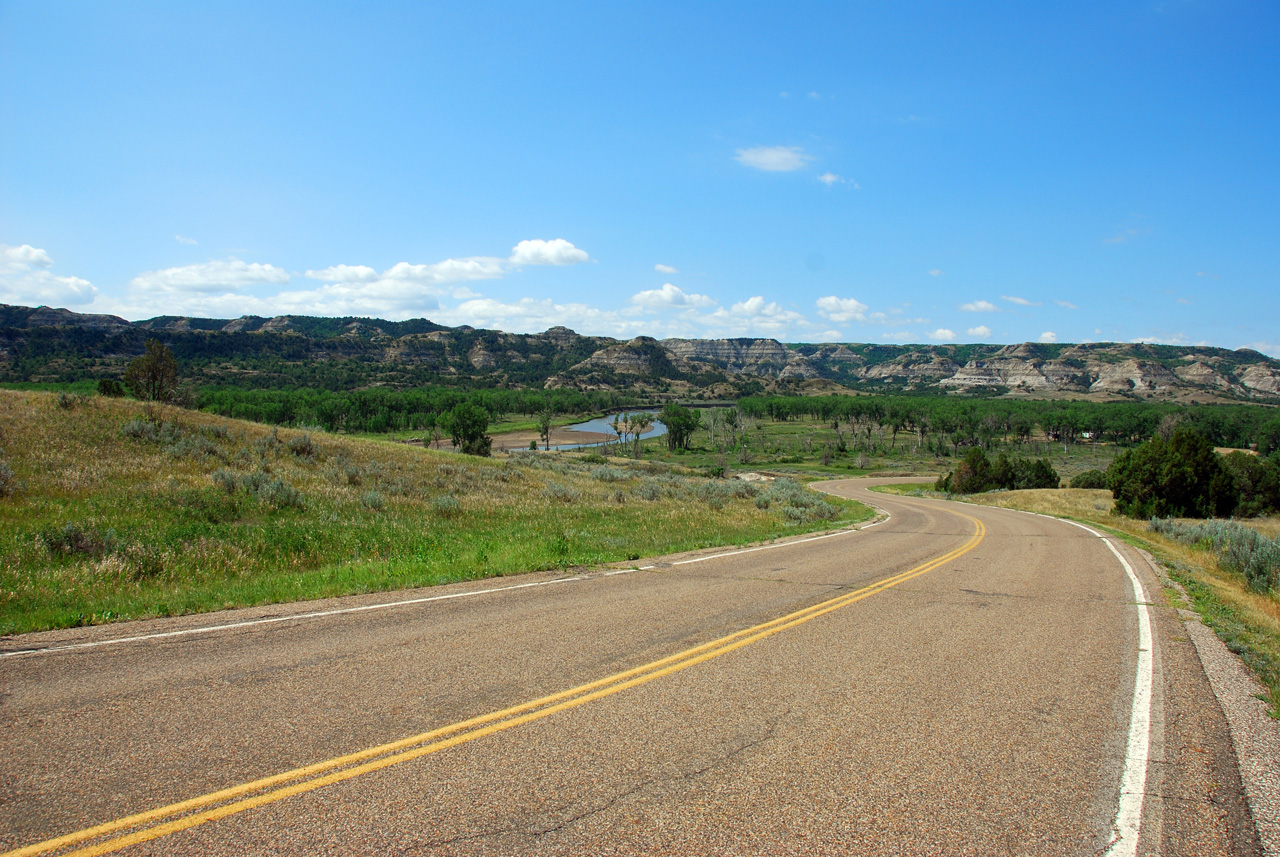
(1247, 621)
(107, 526)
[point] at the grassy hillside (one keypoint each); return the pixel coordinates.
(114, 510)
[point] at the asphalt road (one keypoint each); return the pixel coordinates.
(953, 680)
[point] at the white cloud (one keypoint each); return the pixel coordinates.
(23, 258)
(665, 269)
(182, 239)
(842, 309)
(774, 159)
(979, 306)
(1013, 299)
(981, 331)
(344, 274)
(1166, 338)
(816, 96)
(830, 179)
(1048, 337)
(26, 281)
(1066, 304)
(218, 275)
(942, 334)
(555, 252)
(934, 272)
(448, 271)
(670, 296)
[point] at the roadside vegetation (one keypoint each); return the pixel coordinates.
(111, 508)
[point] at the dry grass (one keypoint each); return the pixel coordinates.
(185, 512)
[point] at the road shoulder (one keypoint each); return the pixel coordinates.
(1255, 736)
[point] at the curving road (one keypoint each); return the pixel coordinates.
(951, 680)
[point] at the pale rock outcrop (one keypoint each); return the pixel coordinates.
(1201, 373)
(1133, 376)
(1261, 379)
(764, 357)
(480, 358)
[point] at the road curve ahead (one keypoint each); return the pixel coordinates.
(951, 680)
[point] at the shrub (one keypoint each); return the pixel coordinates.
(594, 458)
(71, 401)
(78, 539)
(110, 387)
(302, 446)
(605, 473)
(140, 429)
(1090, 479)
(561, 493)
(198, 447)
(372, 500)
(225, 479)
(446, 506)
(8, 482)
(280, 495)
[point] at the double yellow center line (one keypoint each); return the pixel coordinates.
(165, 820)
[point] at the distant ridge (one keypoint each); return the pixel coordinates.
(47, 344)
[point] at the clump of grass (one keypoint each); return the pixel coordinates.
(1240, 549)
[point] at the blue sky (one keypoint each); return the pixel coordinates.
(862, 172)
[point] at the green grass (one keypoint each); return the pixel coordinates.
(124, 511)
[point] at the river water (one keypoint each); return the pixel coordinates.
(604, 424)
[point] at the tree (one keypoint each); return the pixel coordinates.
(467, 423)
(153, 377)
(681, 423)
(640, 423)
(544, 427)
(1181, 477)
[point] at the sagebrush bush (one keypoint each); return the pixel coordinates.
(8, 482)
(195, 446)
(74, 539)
(1240, 549)
(561, 493)
(302, 446)
(372, 500)
(446, 506)
(605, 473)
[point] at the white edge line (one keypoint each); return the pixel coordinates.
(782, 544)
(208, 629)
(1133, 781)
